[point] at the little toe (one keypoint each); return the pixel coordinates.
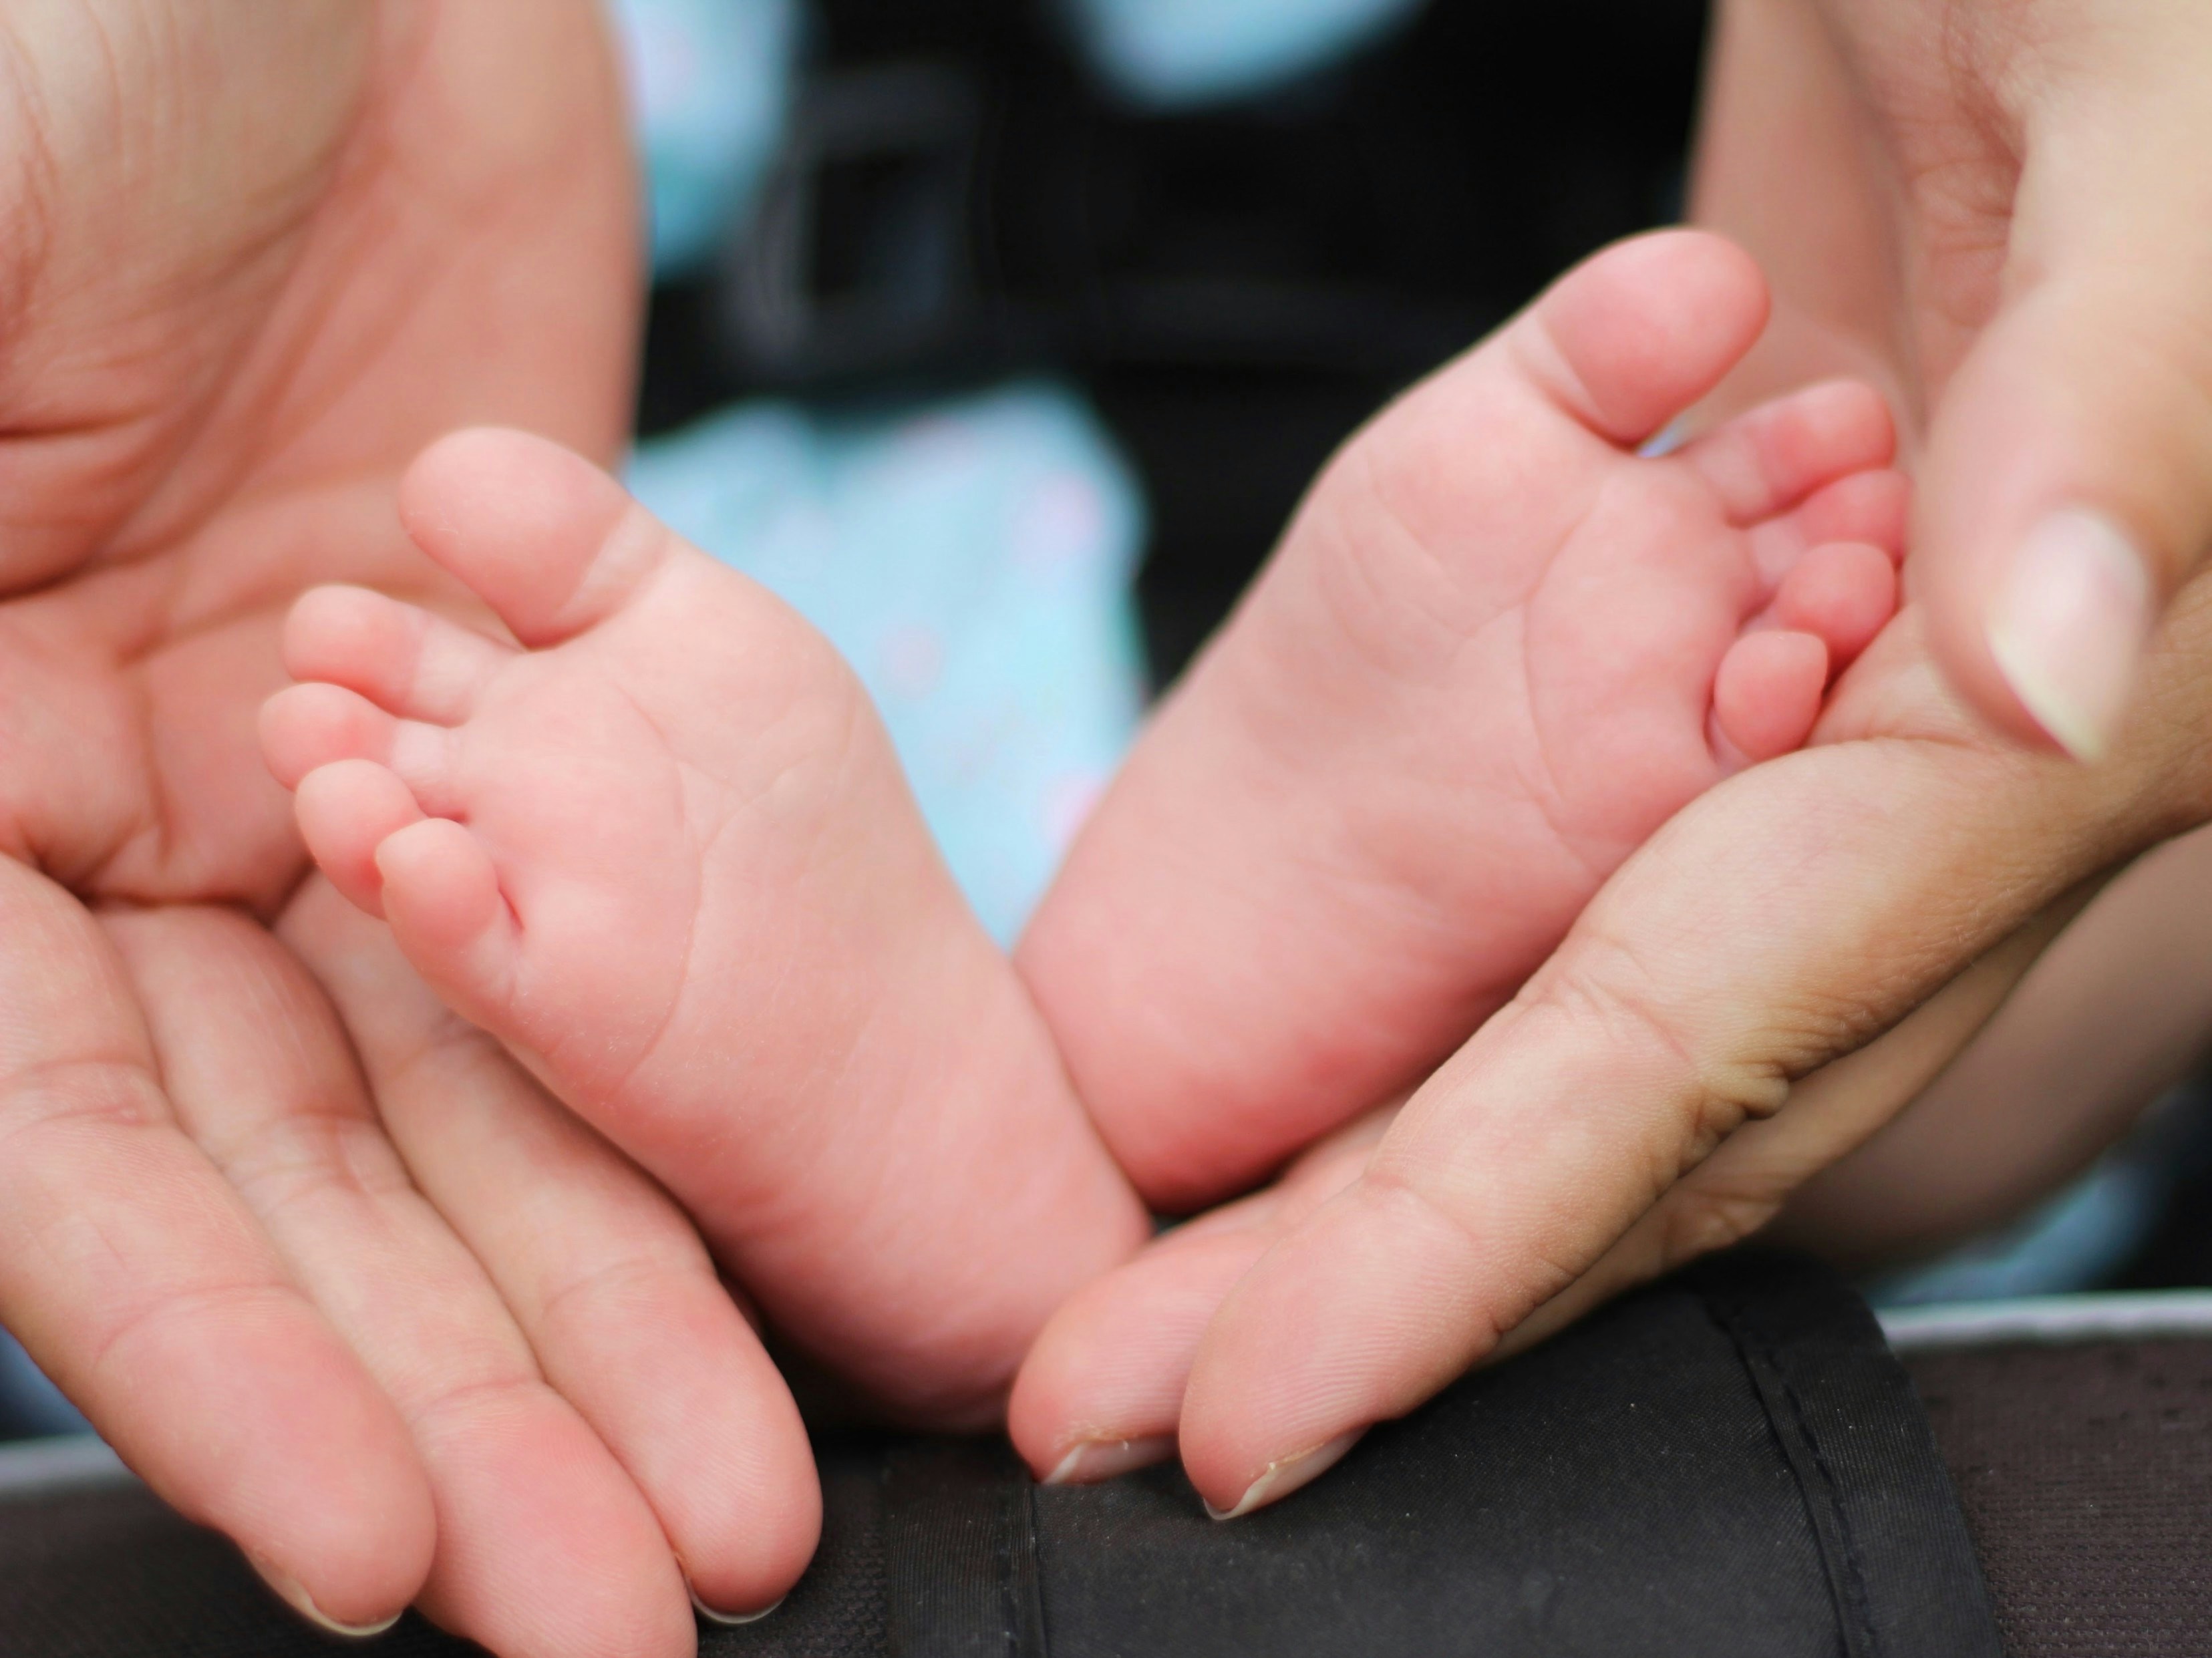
(442, 895)
(1767, 461)
(547, 539)
(1843, 594)
(1768, 693)
(346, 810)
(400, 656)
(1632, 337)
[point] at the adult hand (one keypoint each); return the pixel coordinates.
(257, 256)
(1627, 1111)
(2006, 204)
(1702, 1043)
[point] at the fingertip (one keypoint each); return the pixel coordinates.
(751, 1574)
(2067, 625)
(550, 1548)
(276, 1437)
(1096, 1460)
(357, 1578)
(1102, 1387)
(1304, 1351)
(740, 1565)
(2065, 495)
(1287, 1474)
(716, 1441)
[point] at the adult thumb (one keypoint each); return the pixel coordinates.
(2066, 492)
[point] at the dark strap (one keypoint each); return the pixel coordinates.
(1902, 1573)
(1731, 1463)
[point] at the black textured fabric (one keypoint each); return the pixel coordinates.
(2086, 1476)
(1729, 1463)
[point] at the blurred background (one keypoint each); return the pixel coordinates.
(1017, 326)
(1002, 335)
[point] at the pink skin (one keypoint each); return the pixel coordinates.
(1497, 650)
(1101, 1392)
(663, 852)
(259, 256)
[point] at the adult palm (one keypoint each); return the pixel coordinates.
(255, 256)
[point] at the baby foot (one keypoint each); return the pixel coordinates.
(1497, 649)
(663, 852)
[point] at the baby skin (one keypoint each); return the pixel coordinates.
(1497, 649)
(655, 839)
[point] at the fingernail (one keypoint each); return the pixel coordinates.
(289, 1590)
(1286, 1476)
(1096, 1460)
(734, 1620)
(2068, 626)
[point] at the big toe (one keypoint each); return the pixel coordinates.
(1632, 337)
(531, 528)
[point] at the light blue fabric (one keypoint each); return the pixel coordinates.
(2077, 1239)
(2072, 1243)
(710, 88)
(1173, 54)
(973, 561)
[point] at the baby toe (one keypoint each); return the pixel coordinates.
(402, 657)
(1843, 594)
(1768, 692)
(441, 895)
(1632, 337)
(537, 532)
(306, 728)
(1870, 507)
(346, 810)
(1767, 461)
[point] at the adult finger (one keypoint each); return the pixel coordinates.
(2066, 492)
(1101, 1392)
(2110, 1019)
(606, 1278)
(1785, 920)
(1743, 1184)
(545, 1548)
(141, 1284)
(1102, 1389)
